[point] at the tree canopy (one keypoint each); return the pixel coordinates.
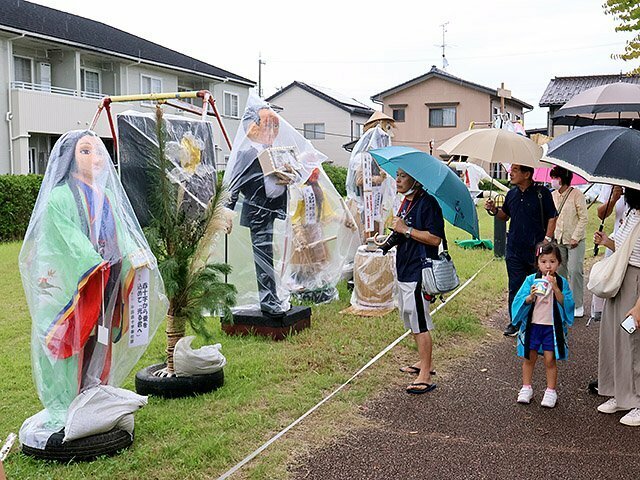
(627, 12)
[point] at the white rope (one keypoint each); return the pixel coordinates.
(259, 450)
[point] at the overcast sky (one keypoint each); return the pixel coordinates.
(362, 48)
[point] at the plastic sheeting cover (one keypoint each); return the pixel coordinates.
(189, 146)
(291, 218)
(370, 191)
(92, 285)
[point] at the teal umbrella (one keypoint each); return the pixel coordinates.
(437, 179)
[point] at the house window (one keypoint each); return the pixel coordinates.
(398, 114)
(314, 131)
(182, 88)
(150, 84)
(23, 69)
(358, 130)
(442, 117)
(90, 80)
(230, 105)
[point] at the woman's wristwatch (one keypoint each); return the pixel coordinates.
(408, 232)
(548, 239)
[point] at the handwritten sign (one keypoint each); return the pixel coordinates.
(139, 309)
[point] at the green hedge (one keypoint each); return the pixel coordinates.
(18, 195)
(338, 176)
(486, 185)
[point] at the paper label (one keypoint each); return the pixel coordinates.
(139, 309)
(103, 335)
(309, 206)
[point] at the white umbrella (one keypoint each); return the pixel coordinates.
(495, 145)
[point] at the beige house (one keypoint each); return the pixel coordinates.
(56, 66)
(325, 117)
(437, 105)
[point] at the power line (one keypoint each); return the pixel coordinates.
(423, 60)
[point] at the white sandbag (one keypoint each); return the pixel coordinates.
(36, 430)
(202, 361)
(100, 409)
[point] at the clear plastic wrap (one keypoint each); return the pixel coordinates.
(370, 191)
(375, 279)
(322, 233)
(190, 147)
(92, 285)
(288, 211)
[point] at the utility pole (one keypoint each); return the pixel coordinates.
(260, 63)
(445, 64)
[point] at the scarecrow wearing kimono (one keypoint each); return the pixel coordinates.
(83, 254)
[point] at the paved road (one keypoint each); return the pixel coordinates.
(472, 427)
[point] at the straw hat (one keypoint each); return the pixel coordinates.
(378, 116)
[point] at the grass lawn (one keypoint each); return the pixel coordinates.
(267, 386)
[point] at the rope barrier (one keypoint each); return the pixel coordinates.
(264, 446)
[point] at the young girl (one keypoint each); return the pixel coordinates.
(543, 310)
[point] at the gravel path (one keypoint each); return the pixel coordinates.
(472, 427)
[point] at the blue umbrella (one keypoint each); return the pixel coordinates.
(437, 179)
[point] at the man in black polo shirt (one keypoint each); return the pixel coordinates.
(533, 219)
(421, 223)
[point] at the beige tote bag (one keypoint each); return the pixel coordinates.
(605, 278)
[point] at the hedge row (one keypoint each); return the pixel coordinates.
(18, 195)
(338, 176)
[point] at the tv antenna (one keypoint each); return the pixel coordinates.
(445, 63)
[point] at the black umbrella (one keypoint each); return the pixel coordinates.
(600, 154)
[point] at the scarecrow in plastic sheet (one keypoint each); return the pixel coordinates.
(323, 231)
(189, 147)
(265, 160)
(92, 285)
(370, 191)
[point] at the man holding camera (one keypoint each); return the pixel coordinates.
(418, 229)
(533, 219)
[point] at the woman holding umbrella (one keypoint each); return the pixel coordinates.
(619, 351)
(571, 225)
(421, 223)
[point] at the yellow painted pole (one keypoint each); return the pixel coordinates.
(153, 96)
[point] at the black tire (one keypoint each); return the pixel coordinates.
(175, 387)
(82, 449)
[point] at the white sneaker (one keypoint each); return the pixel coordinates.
(632, 419)
(550, 398)
(610, 406)
(525, 395)
(578, 312)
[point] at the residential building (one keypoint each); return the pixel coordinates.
(327, 118)
(562, 89)
(57, 66)
(434, 107)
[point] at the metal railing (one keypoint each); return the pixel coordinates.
(39, 87)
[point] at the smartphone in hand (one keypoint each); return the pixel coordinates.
(629, 325)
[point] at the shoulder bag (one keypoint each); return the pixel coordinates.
(605, 278)
(439, 276)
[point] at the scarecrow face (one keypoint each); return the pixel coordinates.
(267, 131)
(89, 159)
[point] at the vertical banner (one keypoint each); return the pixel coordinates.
(367, 187)
(139, 309)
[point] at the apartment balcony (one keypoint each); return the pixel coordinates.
(38, 87)
(55, 110)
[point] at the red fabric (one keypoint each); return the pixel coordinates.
(75, 325)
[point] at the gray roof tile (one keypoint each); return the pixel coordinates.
(562, 89)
